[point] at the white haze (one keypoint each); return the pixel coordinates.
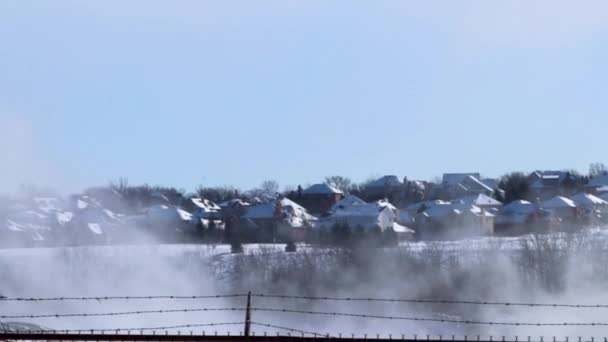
(470, 270)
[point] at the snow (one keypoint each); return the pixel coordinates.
(47, 204)
(206, 204)
(402, 229)
(473, 180)
(456, 178)
(13, 226)
(559, 202)
(322, 189)
(166, 214)
(479, 200)
(290, 212)
(386, 204)
(348, 201)
(427, 204)
(584, 199)
(64, 217)
(519, 206)
(81, 204)
(234, 202)
(95, 228)
(442, 210)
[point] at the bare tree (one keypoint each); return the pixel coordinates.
(597, 169)
(339, 182)
(270, 187)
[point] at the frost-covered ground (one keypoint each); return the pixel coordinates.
(466, 270)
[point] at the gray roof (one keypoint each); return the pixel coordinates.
(322, 188)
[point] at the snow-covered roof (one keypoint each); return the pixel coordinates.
(386, 204)
(291, 213)
(47, 204)
(442, 210)
(359, 210)
(322, 189)
(416, 206)
(474, 182)
(402, 229)
(234, 202)
(348, 201)
(479, 200)
(490, 182)
(165, 213)
(548, 178)
(584, 199)
(205, 204)
(519, 207)
(559, 202)
(386, 181)
(455, 178)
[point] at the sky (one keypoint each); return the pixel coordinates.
(187, 93)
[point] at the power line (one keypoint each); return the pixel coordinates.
(107, 298)
(431, 301)
(423, 319)
(288, 329)
(123, 313)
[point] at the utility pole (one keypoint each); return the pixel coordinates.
(248, 316)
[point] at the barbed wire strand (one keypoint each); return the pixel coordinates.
(266, 325)
(119, 313)
(162, 328)
(106, 298)
(311, 298)
(423, 319)
(430, 301)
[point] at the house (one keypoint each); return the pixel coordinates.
(455, 185)
(548, 184)
(280, 219)
(591, 209)
(480, 200)
(562, 209)
(358, 214)
(597, 185)
(407, 216)
(389, 186)
(447, 221)
(519, 217)
(207, 213)
(169, 217)
(319, 198)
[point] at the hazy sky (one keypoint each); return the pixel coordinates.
(234, 92)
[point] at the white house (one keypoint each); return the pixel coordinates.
(367, 216)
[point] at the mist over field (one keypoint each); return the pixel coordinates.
(566, 269)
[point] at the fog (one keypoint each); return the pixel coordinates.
(557, 268)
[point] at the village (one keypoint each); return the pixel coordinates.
(459, 206)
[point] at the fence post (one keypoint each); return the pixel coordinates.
(248, 316)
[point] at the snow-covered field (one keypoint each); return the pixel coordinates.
(414, 270)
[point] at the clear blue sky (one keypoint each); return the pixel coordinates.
(235, 92)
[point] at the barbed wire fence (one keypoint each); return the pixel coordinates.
(282, 310)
